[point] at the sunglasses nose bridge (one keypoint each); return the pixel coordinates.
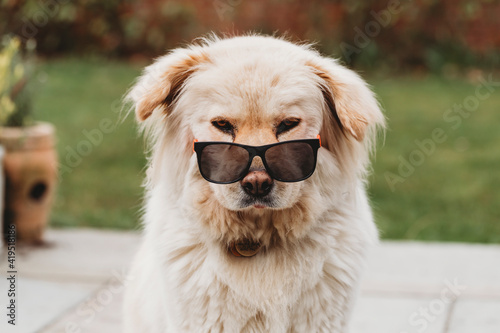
(256, 163)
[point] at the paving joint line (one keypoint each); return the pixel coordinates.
(449, 315)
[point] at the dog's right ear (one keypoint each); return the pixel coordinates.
(162, 81)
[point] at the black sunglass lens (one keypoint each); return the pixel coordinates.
(223, 163)
(291, 161)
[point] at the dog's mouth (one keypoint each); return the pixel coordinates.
(258, 202)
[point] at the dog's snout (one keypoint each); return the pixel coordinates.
(257, 183)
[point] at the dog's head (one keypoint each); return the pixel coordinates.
(255, 91)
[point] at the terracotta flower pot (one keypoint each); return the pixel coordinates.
(30, 165)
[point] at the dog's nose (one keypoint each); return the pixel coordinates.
(257, 183)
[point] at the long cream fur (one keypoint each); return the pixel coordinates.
(316, 233)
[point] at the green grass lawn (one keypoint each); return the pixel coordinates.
(451, 194)
(102, 188)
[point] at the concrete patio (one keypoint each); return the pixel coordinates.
(75, 284)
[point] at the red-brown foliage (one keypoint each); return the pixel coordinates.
(419, 33)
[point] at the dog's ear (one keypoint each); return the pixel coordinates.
(162, 81)
(350, 103)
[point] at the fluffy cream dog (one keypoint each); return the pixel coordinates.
(308, 239)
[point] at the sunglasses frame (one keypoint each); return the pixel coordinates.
(253, 151)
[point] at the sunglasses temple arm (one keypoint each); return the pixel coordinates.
(195, 140)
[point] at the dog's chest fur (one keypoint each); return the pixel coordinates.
(280, 290)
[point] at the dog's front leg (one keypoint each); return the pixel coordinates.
(328, 305)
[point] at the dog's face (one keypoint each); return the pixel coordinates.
(257, 91)
(255, 103)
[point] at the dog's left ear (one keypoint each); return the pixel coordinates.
(349, 100)
(162, 81)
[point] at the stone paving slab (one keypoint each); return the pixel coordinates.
(392, 314)
(106, 318)
(41, 302)
(476, 315)
(76, 285)
(420, 267)
(85, 255)
(54, 279)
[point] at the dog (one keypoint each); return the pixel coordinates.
(245, 228)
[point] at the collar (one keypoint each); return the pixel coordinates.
(244, 248)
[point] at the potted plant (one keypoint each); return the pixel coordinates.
(30, 161)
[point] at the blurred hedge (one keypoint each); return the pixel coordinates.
(397, 34)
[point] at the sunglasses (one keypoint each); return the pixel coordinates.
(227, 162)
